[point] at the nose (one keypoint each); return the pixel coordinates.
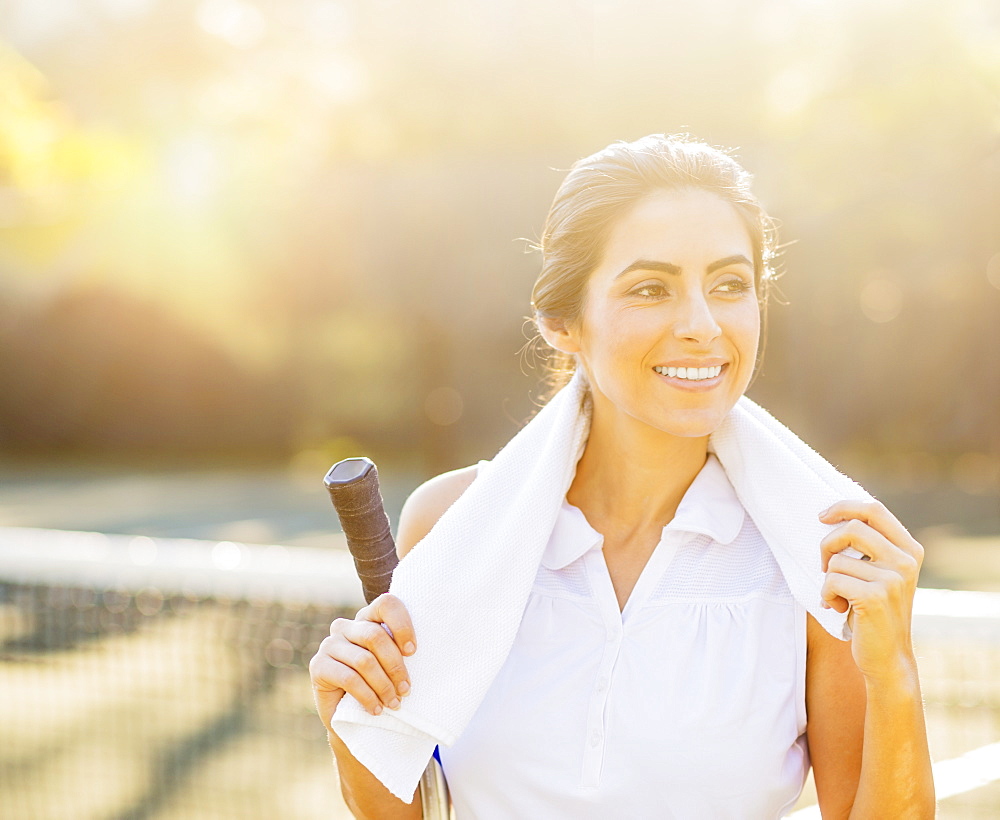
(696, 322)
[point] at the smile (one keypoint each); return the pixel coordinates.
(690, 373)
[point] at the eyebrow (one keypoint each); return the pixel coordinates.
(674, 270)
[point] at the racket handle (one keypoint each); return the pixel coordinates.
(353, 487)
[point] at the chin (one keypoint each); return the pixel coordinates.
(695, 424)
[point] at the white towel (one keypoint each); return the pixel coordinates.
(467, 582)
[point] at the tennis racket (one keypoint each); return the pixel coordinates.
(354, 491)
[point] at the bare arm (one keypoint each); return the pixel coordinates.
(359, 656)
(428, 503)
(866, 730)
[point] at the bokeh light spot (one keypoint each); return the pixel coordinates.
(444, 406)
(149, 601)
(239, 24)
(993, 270)
(881, 300)
(790, 91)
(227, 555)
(279, 653)
(192, 169)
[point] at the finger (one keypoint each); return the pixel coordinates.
(389, 610)
(860, 568)
(838, 591)
(877, 516)
(365, 664)
(864, 585)
(376, 640)
(862, 537)
(332, 678)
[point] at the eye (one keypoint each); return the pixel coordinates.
(649, 290)
(737, 285)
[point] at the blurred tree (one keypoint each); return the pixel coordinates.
(326, 194)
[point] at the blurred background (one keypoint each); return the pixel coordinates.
(276, 233)
(242, 239)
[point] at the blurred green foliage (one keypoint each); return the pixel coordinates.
(256, 227)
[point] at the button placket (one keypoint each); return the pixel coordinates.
(596, 730)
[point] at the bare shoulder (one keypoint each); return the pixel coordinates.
(428, 503)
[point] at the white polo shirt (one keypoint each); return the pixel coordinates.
(690, 703)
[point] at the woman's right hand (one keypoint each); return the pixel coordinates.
(360, 657)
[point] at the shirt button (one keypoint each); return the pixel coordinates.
(612, 635)
(602, 684)
(595, 738)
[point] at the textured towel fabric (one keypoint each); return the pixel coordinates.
(467, 582)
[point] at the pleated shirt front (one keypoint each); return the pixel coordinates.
(689, 703)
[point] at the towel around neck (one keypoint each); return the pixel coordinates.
(467, 582)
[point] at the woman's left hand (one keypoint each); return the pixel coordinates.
(879, 587)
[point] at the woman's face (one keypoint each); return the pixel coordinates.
(669, 330)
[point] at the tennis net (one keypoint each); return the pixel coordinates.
(163, 678)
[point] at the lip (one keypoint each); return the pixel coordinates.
(701, 386)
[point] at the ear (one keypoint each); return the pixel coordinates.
(558, 334)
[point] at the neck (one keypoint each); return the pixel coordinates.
(631, 476)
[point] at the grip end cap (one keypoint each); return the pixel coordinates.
(348, 471)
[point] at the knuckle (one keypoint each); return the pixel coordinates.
(338, 626)
(326, 673)
(367, 663)
(378, 639)
(855, 528)
(327, 645)
(355, 686)
(383, 603)
(368, 631)
(841, 563)
(394, 608)
(396, 671)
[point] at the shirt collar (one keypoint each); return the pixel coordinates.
(709, 507)
(571, 537)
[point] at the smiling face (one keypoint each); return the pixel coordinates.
(670, 324)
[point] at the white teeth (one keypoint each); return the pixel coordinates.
(690, 373)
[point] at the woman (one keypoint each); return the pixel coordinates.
(718, 689)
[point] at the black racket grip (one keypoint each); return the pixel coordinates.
(353, 486)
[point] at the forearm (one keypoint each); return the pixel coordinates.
(365, 795)
(896, 778)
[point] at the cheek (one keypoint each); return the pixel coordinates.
(740, 324)
(606, 332)
(746, 333)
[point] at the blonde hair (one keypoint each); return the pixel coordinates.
(601, 188)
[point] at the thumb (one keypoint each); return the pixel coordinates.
(326, 703)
